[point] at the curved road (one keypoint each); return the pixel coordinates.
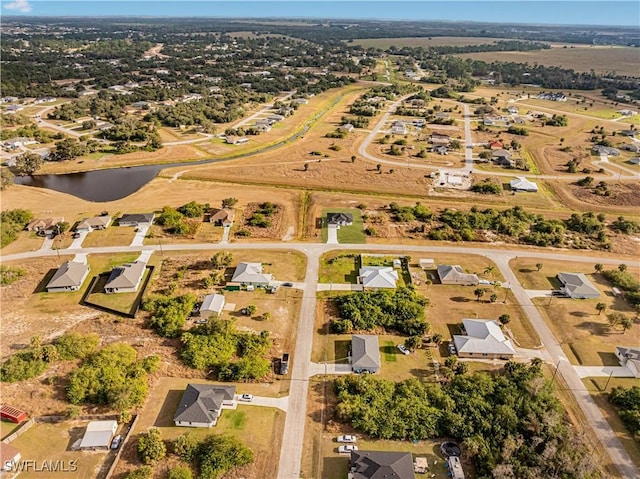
(291, 452)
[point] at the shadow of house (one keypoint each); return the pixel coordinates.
(168, 408)
(41, 287)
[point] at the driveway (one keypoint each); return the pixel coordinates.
(141, 233)
(539, 293)
(264, 401)
(225, 235)
(318, 369)
(332, 235)
(77, 243)
(48, 242)
(339, 287)
(603, 371)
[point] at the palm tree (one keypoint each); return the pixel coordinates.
(622, 267)
(489, 270)
(539, 266)
(600, 307)
(626, 323)
(479, 293)
(428, 283)
(353, 158)
(306, 166)
(504, 319)
(598, 267)
(493, 298)
(379, 167)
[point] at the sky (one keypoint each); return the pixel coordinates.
(570, 12)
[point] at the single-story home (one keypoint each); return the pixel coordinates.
(347, 127)
(300, 101)
(136, 219)
(126, 278)
(275, 117)
(10, 413)
(236, 140)
(69, 277)
(427, 263)
(630, 358)
(376, 277)
(251, 274)
(453, 274)
(440, 139)
(577, 286)
(513, 110)
(339, 219)
(381, 464)
(223, 217)
(98, 435)
(522, 184)
(484, 339)
(9, 458)
(44, 226)
(202, 404)
(500, 154)
(635, 161)
(95, 223)
(399, 128)
(635, 148)
(496, 145)
(365, 353)
(212, 304)
(605, 150)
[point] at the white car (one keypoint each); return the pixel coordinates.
(115, 443)
(347, 438)
(246, 397)
(403, 349)
(347, 449)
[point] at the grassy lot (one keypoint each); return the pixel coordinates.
(339, 267)
(346, 234)
(585, 335)
(25, 241)
(7, 427)
(206, 233)
(112, 236)
(52, 442)
(258, 427)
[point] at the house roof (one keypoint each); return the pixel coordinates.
(483, 336)
(70, 273)
(378, 277)
(381, 465)
(221, 215)
(577, 284)
(98, 434)
(126, 276)
(137, 218)
(338, 218)
(250, 273)
(201, 402)
(521, 183)
(454, 273)
(43, 223)
(365, 351)
(631, 355)
(95, 222)
(213, 302)
(501, 153)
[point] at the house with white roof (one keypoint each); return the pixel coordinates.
(212, 304)
(629, 357)
(98, 435)
(376, 277)
(522, 184)
(251, 274)
(453, 274)
(484, 339)
(577, 286)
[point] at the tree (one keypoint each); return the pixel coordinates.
(250, 310)
(462, 368)
(428, 284)
(180, 472)
(626, 323)
(379, 167)
(490, 270)
(6, 178)
(598, 267)
(67, 149)
(615, 318)
(266, 316)
(28, 163)
(504, 319)
(412, 342)
(229, 202)
(219, 454)
(221, 260)
(143, 472)
(151, 448)
(478, 293)
(353, 158)
(539, 266)
(622, 268)
(493, 298)
(306, 167)
(437, 339)
(600, 307)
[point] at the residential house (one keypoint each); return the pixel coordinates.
(513, 110)
(212, 304)
(263, 125)
(141, 105)
(347, 127)
(577, 286)
(68, 277)
(236, 140)
(44, 226)
(631, 147)
(630, 133)
(496, 145)
(202, 404)
(96, 223)
(98, 435)
(275, 118)
(19, 142)
(629, 357)
(440, 139)
(628, 112)
(455, 275)
(441, 115)
(365, 353)
(381, 465)
(552, 96)
(251, 274)
(522, 184)
(126, 278)
(503, 158)
(137, 219)
(13, 108)
(605, 150)
(484, 339)
(222, 217)
(377, 277)
(339, 219)
(441, 150)
(635, 161)
(399, 128)
(9, 99)
(9, 458)
(300, 101)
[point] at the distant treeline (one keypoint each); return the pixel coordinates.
(501, 46)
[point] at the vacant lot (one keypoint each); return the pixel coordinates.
(52, 442)
(622, 60)
(25, 241)
(260, 428)
(112, 236)
(585, 334)
(205, 233)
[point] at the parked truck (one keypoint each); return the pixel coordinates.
(284, 364)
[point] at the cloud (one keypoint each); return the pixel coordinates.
(18, 5)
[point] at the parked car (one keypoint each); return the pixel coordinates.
(246, 397)
(288, 285)
(452, 348)
(76, 235)
(347, 438)
(115, 442)
(346, 449)
(403, 349)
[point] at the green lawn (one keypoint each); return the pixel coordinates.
(389, 352)
(353, 234)
(7, 427)
(336, 267)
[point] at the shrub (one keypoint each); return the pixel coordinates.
(151, 447)
(76, 346)
(10, 275)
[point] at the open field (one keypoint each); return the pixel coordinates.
(622, 60)
(584, 334)
(385, 43)
(205, 233)
(25, 241)
(52, 442)
(259, 428)
(112, 236)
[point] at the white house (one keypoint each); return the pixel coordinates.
(484, 339)
(251, 274)
(577, 286)
(376, 277)
(69, 277)
(522, 184)
(365, 353)
(453, 274)
(95, 223)
(630, 358)
(212, 304)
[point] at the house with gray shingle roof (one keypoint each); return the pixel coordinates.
(381, 465)
(365, 353)
(453, 274)
(577, 286)
(202, 404)
(126, 278)
(484, 339)
(251, 274)
(69, 277)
